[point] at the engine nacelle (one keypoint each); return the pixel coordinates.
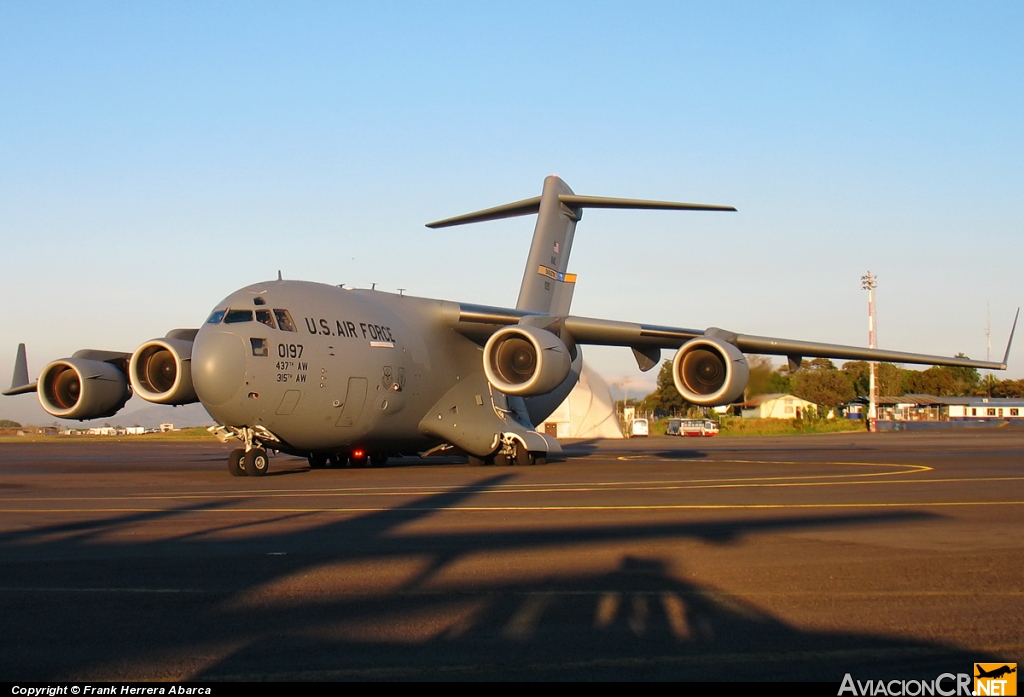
(524, 360)
(161, 371)
(79, 388)
(709, 372)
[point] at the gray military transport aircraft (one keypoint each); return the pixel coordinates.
(348, 376)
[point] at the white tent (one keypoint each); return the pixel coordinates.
(588, 411)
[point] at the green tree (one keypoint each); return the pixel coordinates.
(761, 372)
(666, 398)
(822, 384)
(988, 385)
(889, 380)
(7, 423)
(859, 375)
(934, 381)
(780, 383)
(1009, 388)
(968, 378)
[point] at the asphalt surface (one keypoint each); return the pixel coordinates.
(801, 558)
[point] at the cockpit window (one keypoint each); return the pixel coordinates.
(258, 301)
(238, 316)
(284, 321)
(265, 317)
(216, 317)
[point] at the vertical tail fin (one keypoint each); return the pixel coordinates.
(19, 381)
(544, 279)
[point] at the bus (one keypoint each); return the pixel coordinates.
(691, 427)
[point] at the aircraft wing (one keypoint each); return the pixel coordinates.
(479, 321)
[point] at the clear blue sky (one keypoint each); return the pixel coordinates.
(156, 156)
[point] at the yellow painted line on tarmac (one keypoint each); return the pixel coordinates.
(531, 488)
(527, 488)
(483, 509)
(536, 490)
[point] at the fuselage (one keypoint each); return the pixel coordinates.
(324, 367)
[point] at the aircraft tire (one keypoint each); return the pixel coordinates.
(539, 458)
(475, 461)
(503, 460)
(378, 460)
(337, 461)
(359, 461)
(236, 466)
(317, 461)
(523, 458)
(256, 462)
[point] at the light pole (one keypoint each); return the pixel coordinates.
(868, 282)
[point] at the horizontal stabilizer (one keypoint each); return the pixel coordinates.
(532, 205)
(574, 201)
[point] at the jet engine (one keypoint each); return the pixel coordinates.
(79, 388)
(709, 372)
(524, 360)
(161, 371)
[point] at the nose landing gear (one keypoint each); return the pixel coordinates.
(252, 460)
(254, 463)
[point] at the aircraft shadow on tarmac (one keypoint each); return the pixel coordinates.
(207, 609)
(593, 446)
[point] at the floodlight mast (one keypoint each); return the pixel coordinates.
(868, 282)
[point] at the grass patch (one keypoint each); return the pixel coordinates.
(199, 433)
(737, 426)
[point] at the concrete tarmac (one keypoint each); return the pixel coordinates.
(886, 556)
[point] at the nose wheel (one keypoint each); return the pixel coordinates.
(253, 463)
(257, 463)
(235, 463)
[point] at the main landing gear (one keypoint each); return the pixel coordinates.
(514, 453)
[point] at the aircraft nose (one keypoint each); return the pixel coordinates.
(218, 366)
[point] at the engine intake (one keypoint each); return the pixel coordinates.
(524, 360)
(79, 388)
(161, 371)
(709, 372)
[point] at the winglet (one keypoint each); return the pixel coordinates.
(19, 382)
(1009, 342)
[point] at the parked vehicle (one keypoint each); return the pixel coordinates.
(639, 427)
(691, 427)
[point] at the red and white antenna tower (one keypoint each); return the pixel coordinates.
(868, 282)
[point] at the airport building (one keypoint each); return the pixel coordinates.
(909, 410)
(775, 406)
